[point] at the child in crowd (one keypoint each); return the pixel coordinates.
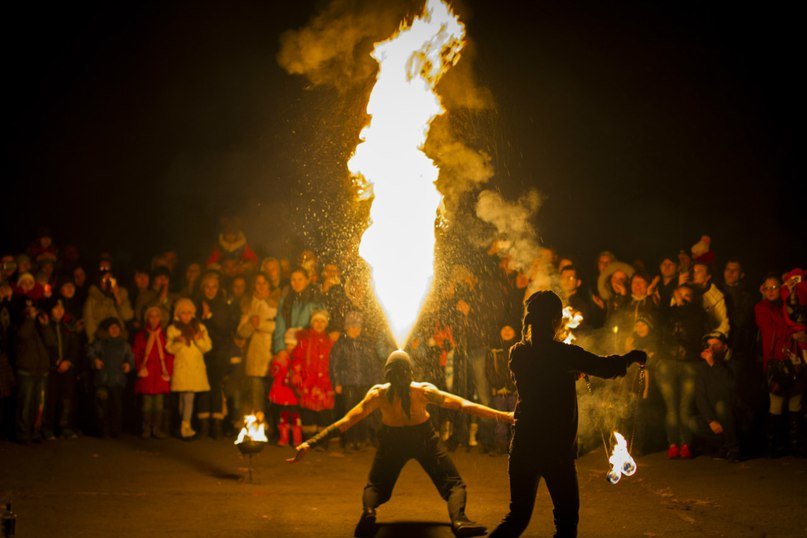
(63, 349)
(283, 396)
(112, 359)
(352, 369)
(188, 341)
(310, 375)
(154, 366)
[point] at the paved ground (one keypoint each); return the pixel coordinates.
(129, 487)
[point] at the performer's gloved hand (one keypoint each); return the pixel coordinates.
(301, 451)
(636, 355)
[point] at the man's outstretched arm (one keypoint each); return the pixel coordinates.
(452, 401)
(351, 418)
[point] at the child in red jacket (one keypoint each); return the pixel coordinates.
(154, 366)
(283, 396)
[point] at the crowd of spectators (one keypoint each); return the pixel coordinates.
(86, 349)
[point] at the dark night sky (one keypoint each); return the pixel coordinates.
(133, 125)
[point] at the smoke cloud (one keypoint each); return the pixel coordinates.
(334, 48)
(511, 220)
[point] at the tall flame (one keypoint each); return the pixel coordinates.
(389, 161)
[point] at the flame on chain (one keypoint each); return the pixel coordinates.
(622, 463)
(389, 164)
(571, 320)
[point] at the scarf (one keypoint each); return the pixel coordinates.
(155, 340)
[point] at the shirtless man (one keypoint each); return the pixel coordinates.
(407, 433)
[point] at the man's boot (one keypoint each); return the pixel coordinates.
(283, 431)
(297, 435)
(366, 525)
(462, 526)
(157, 425)
(146, 434)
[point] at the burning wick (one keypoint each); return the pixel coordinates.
(622, 463)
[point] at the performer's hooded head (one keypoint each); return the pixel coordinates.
(398, 372)
(543, 313)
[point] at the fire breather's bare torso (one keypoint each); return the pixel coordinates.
(391, 412)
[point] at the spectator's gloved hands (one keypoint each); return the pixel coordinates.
(637, 356)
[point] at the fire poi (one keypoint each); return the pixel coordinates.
(622, 463)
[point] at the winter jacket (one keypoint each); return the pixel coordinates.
(352, 363)
(682, 332)
(497, 368)
(338, 305)
(713, 385)
(714, 303)
(152, 297)
(190, 374)
(310, 370)
(775, 332)
(100, 306)
(282, 392)
(221, 323)
(157, 366)
(113, 352)
(294, 310)
(238, 249)
(30, 353)
(62, 344)
(259, 347)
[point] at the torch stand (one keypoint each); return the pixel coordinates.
(249, 448)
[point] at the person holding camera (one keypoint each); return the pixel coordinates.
(106, 299)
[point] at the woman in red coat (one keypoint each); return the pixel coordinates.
(785, 379)
(310, 361)
(154, 366)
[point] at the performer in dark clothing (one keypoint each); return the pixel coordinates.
(545, 439)
(407, 434)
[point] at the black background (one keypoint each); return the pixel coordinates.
(134, 125)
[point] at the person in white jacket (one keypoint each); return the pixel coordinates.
(257, 324)
(714, 303)
(188, 341)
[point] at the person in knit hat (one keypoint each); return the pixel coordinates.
(352, 367)
(188, 341)
(310, 366)
(407, 433)
(112, 359)
(282, 394)
(154, 366)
